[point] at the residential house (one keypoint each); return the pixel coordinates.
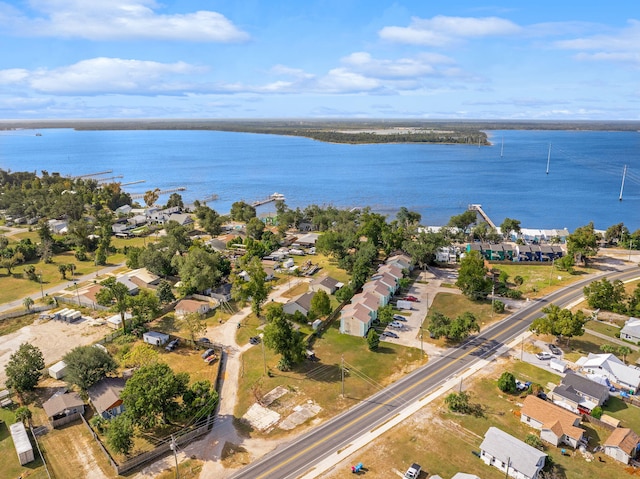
(187, 306)
(325, 283)
(380, 290)
(143, 278)
(579, 394)
(222, 293)
(123, 210)
(557, 425)
(105, 397)
(622, 445)
(308, 240)
(631, 330)
(63, 408)
(302, 303)
(493, 252)
(182, 219)
(58, 226)
(610, 367)
(446, 254)
(355, 319)
(392, 269)
(524, 252)
(137, 220)
(510, 455)
(131, 286)
(402, 260)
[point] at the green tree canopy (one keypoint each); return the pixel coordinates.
(241, 211)
(151, 395)
(24, 368)
(116, 296)
(86, 365)
(373, 339)
(561, 323)
(321, 304)
(120, 434)
(606, 295)
(200, 269)
(583, 243)
(509, 226)
(507, 382)
(472, 277)
(255, 289)
(282, 338)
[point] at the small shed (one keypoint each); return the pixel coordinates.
(155, 338)
(58, 370)
(558, 364)
(22, 443)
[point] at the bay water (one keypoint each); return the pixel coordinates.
(583, 183)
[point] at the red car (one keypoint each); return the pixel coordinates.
(411, 298)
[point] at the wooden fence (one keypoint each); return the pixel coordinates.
(34, 309)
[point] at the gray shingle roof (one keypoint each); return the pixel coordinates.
(509, 449)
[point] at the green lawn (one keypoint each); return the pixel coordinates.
(321, 381)
(603, 328)
(9, 465)
(588, 343)
(629, 415)
(540, 279)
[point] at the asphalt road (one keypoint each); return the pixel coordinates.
(299, 457)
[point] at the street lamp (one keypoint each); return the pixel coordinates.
(77, 293)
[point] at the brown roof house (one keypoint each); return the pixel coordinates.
(63, 408)
(622, 445)
(105, 397)
(557, 425)
(187, 306)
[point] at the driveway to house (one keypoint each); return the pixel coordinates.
(224, 432)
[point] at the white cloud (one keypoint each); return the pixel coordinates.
(622, 46)
(442, 30)
(341, 80)
(420, 66)
(119, 20)
(103, 75)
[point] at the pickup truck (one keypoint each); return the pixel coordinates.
(413, 472)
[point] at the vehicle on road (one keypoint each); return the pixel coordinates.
(411, 298)
(413, 472)
(396, 325)
(555, 349)
(389, 334)
(399, 317)
(544, 356)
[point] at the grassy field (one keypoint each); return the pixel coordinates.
(321, 381)
(603, 328)
(588, 343)
(453, 305)
(541, 279)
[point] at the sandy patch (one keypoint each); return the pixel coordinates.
(260, 417)
(53, 338)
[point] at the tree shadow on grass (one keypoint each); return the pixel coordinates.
(615, 404)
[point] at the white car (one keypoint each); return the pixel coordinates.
(396, 325)
(544, 356)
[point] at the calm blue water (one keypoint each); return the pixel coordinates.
(438, 181)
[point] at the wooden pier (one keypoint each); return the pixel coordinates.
(89, 175)
(268, 199)
(139, 196)
(479, 209)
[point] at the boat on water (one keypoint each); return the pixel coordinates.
(277, 196)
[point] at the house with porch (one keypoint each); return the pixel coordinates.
(556, 425)
(511, 455)
(63, 408)
(579, 394)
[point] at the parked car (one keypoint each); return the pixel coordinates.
(172, 344)
(207, 353)
(389, 334)
(544, 356)
(413, 472)
(396, 324)
(399, 317)
(254, 339)
(555, 349)
(204, 341)
(411, 298)
(520, 386)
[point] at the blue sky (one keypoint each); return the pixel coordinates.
(544, 60)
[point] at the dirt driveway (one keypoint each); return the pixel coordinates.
(54, 338)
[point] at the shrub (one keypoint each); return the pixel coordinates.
(498, 307)
(518, 280)
(597, 412)
(507, 382)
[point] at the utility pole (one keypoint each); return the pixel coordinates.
(77, 293)
(174, 448)
(342, 374)
(493, 296)
(630, 245)
(421, 348)
(41, 289)
(553, 262)
(264, 357)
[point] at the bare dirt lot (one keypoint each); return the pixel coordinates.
(54, 338)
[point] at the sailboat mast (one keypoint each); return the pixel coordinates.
(502, 147)
(548, 158)
(624, 174)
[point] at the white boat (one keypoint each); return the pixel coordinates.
(277, 196)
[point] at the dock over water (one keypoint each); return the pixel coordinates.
(268, 199)
(484, 215)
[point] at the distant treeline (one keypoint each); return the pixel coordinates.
(337, 131)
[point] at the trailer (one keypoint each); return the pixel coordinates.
(58, 370)
(404, 304)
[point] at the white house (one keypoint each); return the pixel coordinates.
(631, 330)
(610, 367)
(512, 456)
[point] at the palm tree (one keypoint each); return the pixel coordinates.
(116, 295)
(624, 351)
(27, 303)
